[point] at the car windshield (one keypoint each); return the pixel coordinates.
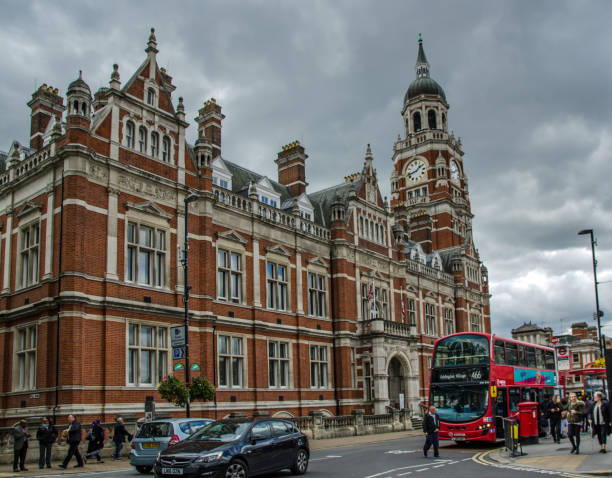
(462, 350)
(221, 431)
(460, 404)
(155, 430)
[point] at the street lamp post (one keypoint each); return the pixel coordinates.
(185, 263)
(598, 312)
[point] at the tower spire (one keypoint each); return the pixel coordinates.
(422, 66)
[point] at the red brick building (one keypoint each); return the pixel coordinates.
(301, 300)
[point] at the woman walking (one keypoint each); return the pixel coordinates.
(600, 420)
(575, 409)
(96, 442)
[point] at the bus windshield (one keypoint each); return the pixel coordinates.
(465, 349)
(463, 404)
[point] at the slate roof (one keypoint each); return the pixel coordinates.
(322, 200)
(241, 177)
(527, 327)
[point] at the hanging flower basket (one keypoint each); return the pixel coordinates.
(201, 389)
(173, 390)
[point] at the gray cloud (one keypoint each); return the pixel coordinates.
(527, 83)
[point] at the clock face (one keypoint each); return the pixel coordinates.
(454, 171)
(416, 170)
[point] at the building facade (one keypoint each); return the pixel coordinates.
(299, 300)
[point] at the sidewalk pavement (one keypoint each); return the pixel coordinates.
(124, 464)
(550, 456)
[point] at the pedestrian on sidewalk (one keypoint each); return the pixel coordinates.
(119, 436)
(74, 438)
(431, 427)
(564, 403)
(588, 409)
(20, 445)
(96, 442)
(46, 436)
(575, 409)
(600, 420)
(544, 410)
(555, 419)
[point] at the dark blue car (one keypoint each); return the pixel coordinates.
(237, 448)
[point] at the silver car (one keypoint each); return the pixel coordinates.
(152, 437)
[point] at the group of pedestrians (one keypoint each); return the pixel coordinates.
(574, 416)
(47, 435)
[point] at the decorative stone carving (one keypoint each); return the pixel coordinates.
(95, 171)
(148, 207)
(141, 187)
(232, 236)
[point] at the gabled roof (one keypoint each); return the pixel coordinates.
(241, 177)
(322, 200)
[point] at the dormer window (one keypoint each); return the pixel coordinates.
(151, 96)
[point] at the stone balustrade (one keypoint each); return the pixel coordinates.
(425, 270)
(25, 166)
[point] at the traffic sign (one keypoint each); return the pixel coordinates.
(177, 336)
(178, 353)
(179, 366)
(195, 366)
(555, 340)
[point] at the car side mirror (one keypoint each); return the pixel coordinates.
(255, 437)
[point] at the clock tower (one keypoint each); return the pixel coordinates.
(429, 192)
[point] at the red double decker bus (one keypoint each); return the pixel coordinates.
(478, 379)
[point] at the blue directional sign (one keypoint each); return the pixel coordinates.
(178, 353)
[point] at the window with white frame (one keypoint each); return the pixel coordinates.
(318, 366)
(430, 319)
(229, 275)
(278, 364)
(411, 311)
(25, 358)
(276, 286)
(166, 149)
(231, 361)
(317, 299)
(365, 303)
(449, 322)
(129, 134)
(142, 139)
(353, 368)
(384, 304)
(151, 96)
(475, 320)
(146, 255)
(148, 351)
(367, 380)
(154, 144)
(30, 240)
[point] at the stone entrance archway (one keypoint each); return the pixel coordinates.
(396, 382)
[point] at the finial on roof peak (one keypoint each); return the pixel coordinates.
(152, 43)
(420, 38)
(80, 74)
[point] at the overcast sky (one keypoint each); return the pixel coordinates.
(528, 85)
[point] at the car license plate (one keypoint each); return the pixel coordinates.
(150, 445)
(459, 438)
(172, 471)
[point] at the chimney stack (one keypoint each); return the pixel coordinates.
(46, 103)
(209, 124)
(291, 164)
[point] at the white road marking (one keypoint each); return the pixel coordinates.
(328, 457)
(439, 466)
(399, 452)
(422, 469)
(405, 473)
(386, 472)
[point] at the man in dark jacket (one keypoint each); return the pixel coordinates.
(20, 445)
(46, 436)
(74, 438)
(431, 427)
(544, 409)
(119, 436)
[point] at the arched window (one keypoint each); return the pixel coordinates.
(84, 108)
(151, 96)
(166, 149)
(431, 119)
(361, 225)
(154, 145)
(129, 134)
(416, 121)
(75, 107)
(142, 139)
(443, 120)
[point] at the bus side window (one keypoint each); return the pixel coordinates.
(530, 354)
(521, 357)
(515, 399)
(500, 358)
(511, 354)
(550, 360)
(540, 363)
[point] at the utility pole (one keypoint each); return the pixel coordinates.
(598, 312)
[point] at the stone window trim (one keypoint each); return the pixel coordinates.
(132, 142)
(158, 352)
(279, 364)
(449, 321)
(430, 318)
(319, 366)
(25, 345)
(29, 247)
(233, 243)
(318, 298)
(232, 355)
(231, 270)
(274, 282)
(381, 288)
(140, 217)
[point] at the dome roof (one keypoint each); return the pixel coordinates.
(424, 86)
(79, 84)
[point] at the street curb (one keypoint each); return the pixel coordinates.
(485, 458)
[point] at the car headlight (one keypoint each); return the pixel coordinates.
(209, 458)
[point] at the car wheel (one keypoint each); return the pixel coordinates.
(145, 470)
(236, 469)
(300, 465)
